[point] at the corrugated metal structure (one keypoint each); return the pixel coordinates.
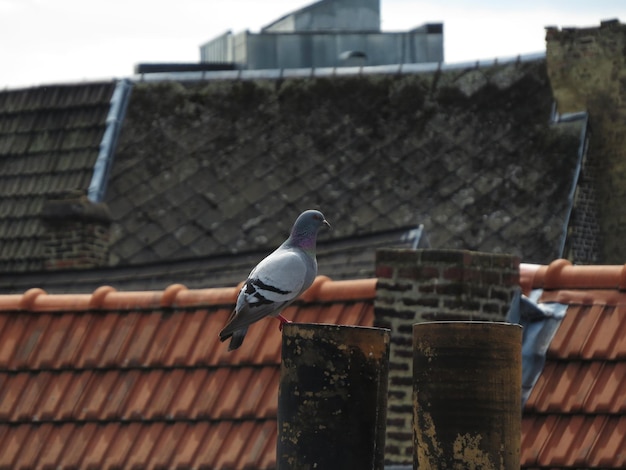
(331, 15)
(329, 33)
(326, 49)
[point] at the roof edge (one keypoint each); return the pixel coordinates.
(117, 110)
(561, 274)
(317, 72)
(107, 298)
(325, 289)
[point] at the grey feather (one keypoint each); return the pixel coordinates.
(277, 280)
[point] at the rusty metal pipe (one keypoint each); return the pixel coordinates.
(467, 379)
(332, 402)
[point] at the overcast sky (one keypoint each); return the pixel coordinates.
(52, 41)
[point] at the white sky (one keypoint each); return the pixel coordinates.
(51, 41)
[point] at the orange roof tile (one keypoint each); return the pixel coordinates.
(176, 444)
(140, 378)
(561, 275)
(575, 416)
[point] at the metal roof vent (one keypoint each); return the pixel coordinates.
(353, 58)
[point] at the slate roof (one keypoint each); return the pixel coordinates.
(139, 378)
(208, 169)
(225, 166)
(344, 258)
(49, 142)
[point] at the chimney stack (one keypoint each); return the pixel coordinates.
(415, 286)
(77, 232)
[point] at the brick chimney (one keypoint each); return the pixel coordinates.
(432, 285)
(77, 232)
(586, 68)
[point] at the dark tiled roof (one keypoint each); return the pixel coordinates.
(205, 170)
(49, 141)
(340, 259)
(218, 167)
(140, 379)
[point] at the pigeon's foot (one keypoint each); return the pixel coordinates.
(282, 320)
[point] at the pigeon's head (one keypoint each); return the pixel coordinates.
(311, 221)
(308, 224)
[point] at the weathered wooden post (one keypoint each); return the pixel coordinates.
(333, 397)
(467, 395)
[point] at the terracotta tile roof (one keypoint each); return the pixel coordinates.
(222, 167)
(129, 379)
(575, 416)
(49, 142)
(85, 378)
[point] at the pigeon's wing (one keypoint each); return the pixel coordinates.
(271, 286)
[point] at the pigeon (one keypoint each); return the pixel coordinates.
(277, 280)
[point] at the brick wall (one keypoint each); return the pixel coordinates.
(76, 245)
(587, 70)
(584, 238)
(432, 285)
(77, 233)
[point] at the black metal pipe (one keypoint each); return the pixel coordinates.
(332, 402)
(467, 379)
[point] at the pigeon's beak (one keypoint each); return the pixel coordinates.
(325, 222)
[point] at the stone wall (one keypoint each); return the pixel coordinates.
(432, 285)
(587, 71)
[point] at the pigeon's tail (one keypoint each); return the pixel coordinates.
(236, 338)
